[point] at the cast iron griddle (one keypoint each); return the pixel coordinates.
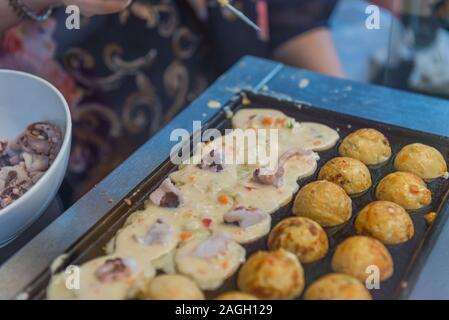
(408, 257)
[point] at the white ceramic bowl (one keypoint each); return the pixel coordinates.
(25, 99)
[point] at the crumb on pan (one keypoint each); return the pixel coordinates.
(245, 100)
(214, 104)
(304, 83)
(128, 202)
(228, 113)
(430, 217)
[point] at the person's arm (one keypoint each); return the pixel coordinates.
(313, 50)
(300, 36)
(87, 7)
(8, 17)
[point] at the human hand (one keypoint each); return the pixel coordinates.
(97, 7)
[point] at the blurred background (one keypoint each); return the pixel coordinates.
(410, 51)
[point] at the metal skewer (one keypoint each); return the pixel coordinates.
(239, 14)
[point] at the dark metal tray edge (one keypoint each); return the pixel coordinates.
(100, 230)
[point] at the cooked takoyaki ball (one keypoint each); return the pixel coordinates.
(324, 202)
(405, 189)
(272, 275)
(350, 174)
(358, 255)
(301, 236)
(236, 295)
(337, 286)
(367, 145)
(171, 287)
(385, 221)
(424, 161)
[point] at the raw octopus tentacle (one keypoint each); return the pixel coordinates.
(40, 138)
(167, 195)
(36, 162)
(24, 160)
(272, 177)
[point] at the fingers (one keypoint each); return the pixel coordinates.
(97, 7)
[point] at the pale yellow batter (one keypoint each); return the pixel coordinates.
(199, 236)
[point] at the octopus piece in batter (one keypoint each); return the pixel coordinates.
(167, 195)
(246, 225)
(111, 278)
(212, 161)
(205, 180)
(147, 239)
(270, 198)
(275, 177)
(211, 261)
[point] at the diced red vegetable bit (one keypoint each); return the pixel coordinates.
(206, 222)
